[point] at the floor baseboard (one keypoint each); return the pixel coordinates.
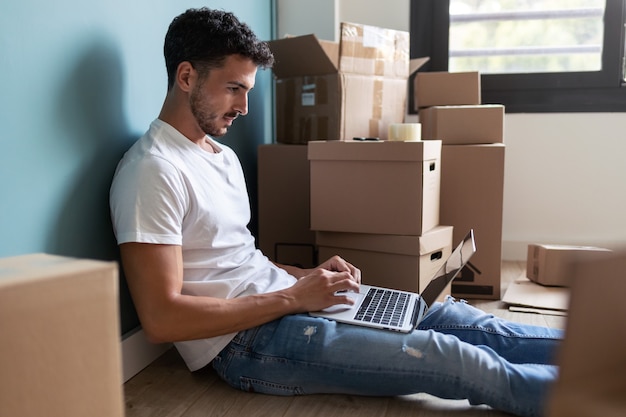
(138, 353)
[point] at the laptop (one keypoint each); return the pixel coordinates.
(389, 309)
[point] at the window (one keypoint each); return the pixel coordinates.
(533, 55)
(526, 37)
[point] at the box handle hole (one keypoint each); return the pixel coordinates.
(436, 255)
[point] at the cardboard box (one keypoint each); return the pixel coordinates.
(405, 263)
(457, 125)
(592, 369)
(375, 187)
(60, 350)
(330, 91)
(442, 88)
(472, 188)
(285, 235)
(552, 264)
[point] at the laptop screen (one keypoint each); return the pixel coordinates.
(450, 269)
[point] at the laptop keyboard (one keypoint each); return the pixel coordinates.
(383, 306)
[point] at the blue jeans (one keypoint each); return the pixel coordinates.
(458, 352)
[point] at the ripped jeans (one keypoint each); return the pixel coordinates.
(458, 352)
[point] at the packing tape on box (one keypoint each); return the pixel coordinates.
(405, 132)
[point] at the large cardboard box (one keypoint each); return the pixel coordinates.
(457, 125)
(375, 187)
(550, 264)
(592, 369)
(472, 188)
(405, 263)
(60, 350)
(440, 88)
(330, 91)
(285, 235)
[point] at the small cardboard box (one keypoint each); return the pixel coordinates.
(405, 263)
(442, 88)
(330, 91)
(285, 235)
(472, 191)
(60, 353)
(375, 187)
(552, 264)
(458, 125)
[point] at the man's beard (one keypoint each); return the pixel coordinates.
(207, 120)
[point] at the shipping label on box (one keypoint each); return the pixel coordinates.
(375, 187)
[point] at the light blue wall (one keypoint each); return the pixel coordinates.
(81, 81)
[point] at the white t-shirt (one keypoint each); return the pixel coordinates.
(168, 190)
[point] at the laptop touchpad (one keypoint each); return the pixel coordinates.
(338, 308)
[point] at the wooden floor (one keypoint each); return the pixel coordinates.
(167, 388)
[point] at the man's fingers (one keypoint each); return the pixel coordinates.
(343, 281)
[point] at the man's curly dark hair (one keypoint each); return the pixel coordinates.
(205, 37)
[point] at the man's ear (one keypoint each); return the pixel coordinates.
(186, 76)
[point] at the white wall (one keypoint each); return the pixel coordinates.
(564, 173)
(301, 17)
(564, 180)
(390, 14)
(322, 17)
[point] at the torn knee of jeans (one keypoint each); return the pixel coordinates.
(416, 353)
(310, 331)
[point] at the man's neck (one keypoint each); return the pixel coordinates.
(183, 121)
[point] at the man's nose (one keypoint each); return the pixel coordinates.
(241, 106)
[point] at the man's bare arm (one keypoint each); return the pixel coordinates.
(155, 278)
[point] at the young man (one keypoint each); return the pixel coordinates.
(180, 210)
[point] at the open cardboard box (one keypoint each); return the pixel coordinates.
(337, 91)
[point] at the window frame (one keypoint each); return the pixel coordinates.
(596, 91)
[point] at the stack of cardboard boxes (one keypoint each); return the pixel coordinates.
(325, 90)
(472, 170)
(376, 204)
(336, 91)
(392, 208)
